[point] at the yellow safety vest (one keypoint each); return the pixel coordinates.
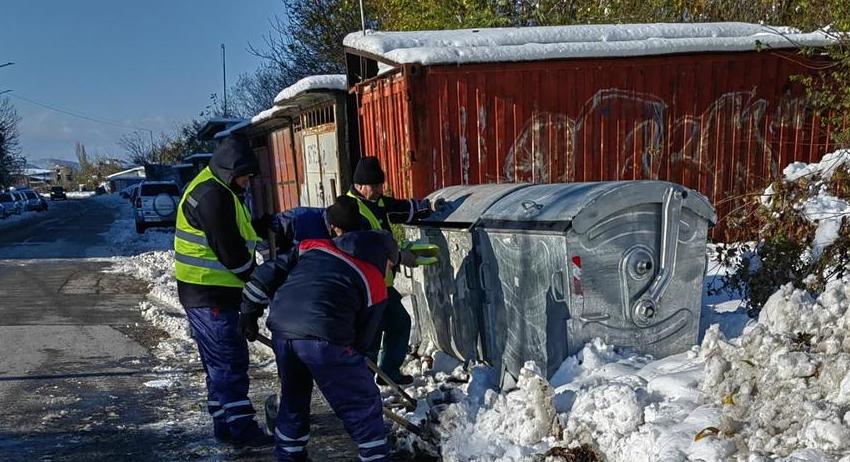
(375, 224)
(194, 260)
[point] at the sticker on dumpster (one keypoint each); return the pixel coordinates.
(575, 271)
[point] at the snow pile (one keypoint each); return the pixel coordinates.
(580, 41)
(514, 426)
(312, 83)
(785, 383)
(775, 389)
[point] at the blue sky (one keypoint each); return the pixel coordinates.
(147, 63)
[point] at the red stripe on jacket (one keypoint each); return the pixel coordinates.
(373, 279)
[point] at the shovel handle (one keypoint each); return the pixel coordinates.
(265, 340)
(396, 387)
(403, 423)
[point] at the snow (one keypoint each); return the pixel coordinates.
(581, 41)
(312, 83)
(262, 116)
(775, 388)
(160, 383)
(307, 84)
(823, 209)
(79, 194)
(825, 168)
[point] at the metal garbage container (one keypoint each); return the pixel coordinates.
(446, 297)
(532, 272)
(564, 263)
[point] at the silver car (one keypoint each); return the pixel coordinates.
(21, 200)
(155, 204)
(10, 203)
(35, 201)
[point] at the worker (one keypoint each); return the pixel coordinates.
(378, 212)
(326, 301)
(214, 244)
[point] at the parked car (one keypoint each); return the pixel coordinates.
(32, 200)
(57, 192)
(35, 200)
(155, 204)
(20, 200)
(11, 203)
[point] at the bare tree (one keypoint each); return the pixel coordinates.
(166, 148)
(137, 146)
(11, 160)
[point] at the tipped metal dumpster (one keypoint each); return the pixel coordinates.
(447, 296)
(554, 265)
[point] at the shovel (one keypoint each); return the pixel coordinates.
(271, 404)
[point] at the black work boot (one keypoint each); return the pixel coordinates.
(253, 438)
(221, 431)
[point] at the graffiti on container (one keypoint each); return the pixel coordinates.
(653, 140)
(464, 150)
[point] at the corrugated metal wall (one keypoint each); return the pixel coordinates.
(286, 166)
(724, 124)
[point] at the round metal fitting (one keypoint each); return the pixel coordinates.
(644, 312)
(639, 262)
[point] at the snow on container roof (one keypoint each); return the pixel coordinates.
(585, 41)
(312, 83)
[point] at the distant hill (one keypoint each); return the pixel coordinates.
(50, 163)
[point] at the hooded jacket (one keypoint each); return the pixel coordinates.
(214, 214)
(326, 289)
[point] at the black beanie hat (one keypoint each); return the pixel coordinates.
(368, 171)
(345, 214)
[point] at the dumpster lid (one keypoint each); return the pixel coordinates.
(466, 203)
(581, 205)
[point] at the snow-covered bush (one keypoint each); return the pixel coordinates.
(803, 233)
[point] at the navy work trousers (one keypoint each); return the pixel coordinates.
(346, 383)
(396, 334)
(224, 355)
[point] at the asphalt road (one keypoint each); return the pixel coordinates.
(69, 229)
(77, 355)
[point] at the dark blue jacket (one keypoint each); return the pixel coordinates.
(327, 289)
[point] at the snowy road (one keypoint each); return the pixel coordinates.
(69, 229)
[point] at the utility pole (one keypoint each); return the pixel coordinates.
(224, 77)
(362, 18)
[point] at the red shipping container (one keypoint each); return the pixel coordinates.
(723, 123)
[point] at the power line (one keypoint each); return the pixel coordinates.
(79, 115)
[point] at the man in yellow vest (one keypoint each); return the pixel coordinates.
(378, 212)
(214, 245)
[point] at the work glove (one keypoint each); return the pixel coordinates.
(247, 325)
(415, 254)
